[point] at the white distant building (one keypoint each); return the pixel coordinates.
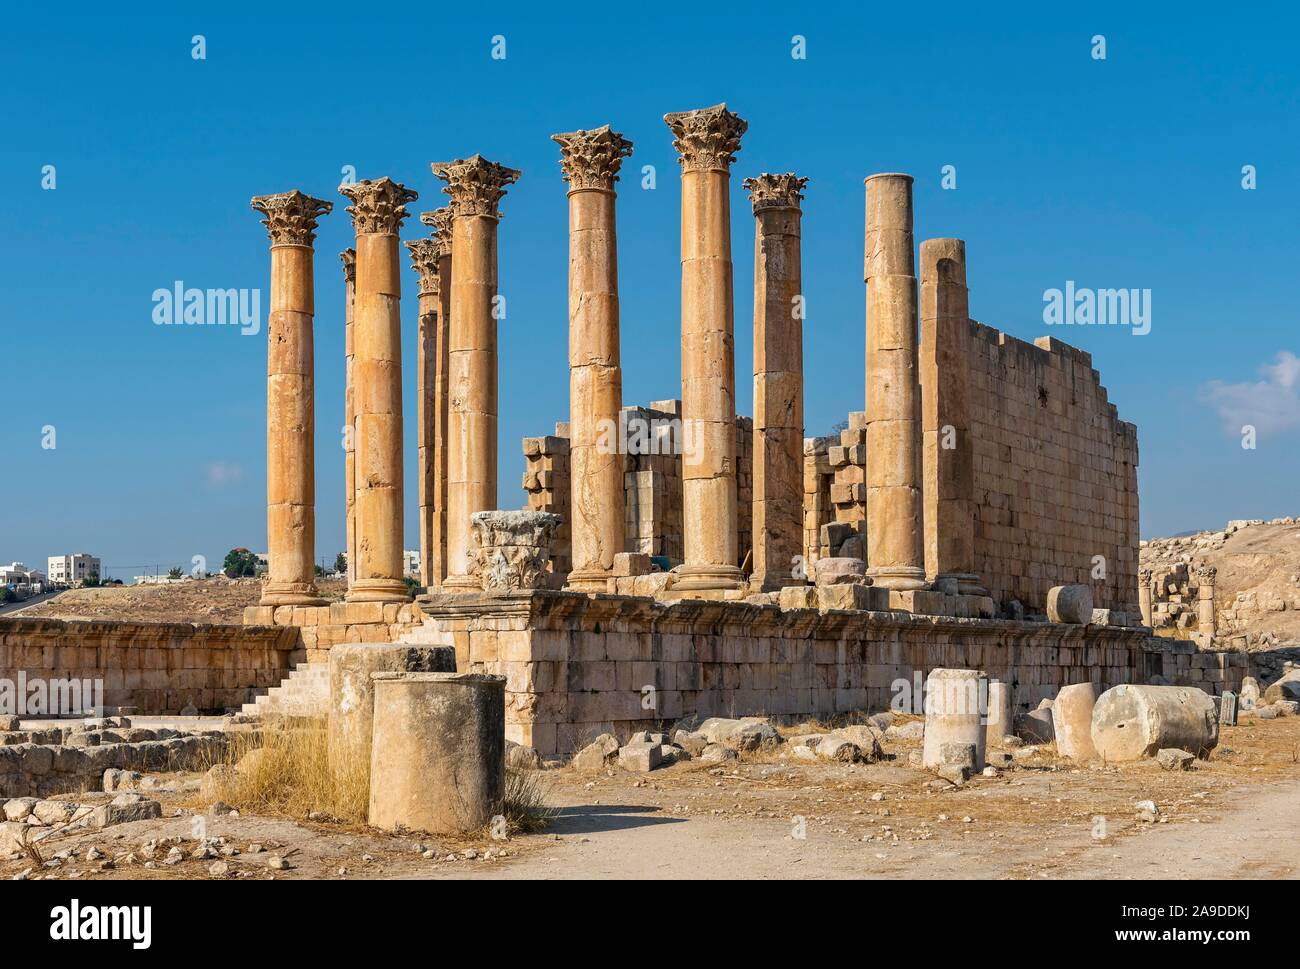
(21, 579)
(411, 563)
(73, 569)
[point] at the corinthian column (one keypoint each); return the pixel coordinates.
(949, 458)
(778, 379)
(895, 556)
(378, 210)
(706, 141)
(349, 258)
(291, 401)
(440, 221)
(476, 187)
(590, 161)
(424, 259)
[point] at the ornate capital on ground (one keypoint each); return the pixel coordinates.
(775, 191)
(510, 550)
(291, 217)
(1206, 574)
(378, 205)
(349, 259)
(439, 220)
(706, 139)
(475, 185)
(591, 159)
(424, 257)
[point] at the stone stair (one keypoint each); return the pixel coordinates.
(303, 693)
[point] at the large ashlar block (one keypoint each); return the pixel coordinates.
(438, 758)
(1131, 722)
(955, 702)
(351, 703)
(1072, 721)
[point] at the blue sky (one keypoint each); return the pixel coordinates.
(1123, 172)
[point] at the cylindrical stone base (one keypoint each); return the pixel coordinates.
(954, 714)
(1072, 721)
(999, 716)
(352, 695)
(1131, 722)
(438, 753)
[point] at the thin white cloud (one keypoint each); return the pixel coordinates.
(1270, 405)
(221, 473)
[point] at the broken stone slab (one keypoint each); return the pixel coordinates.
(1036, 726)
(1072, 721)
(912, 730)
(597, 754)
(1228, 709)
(959, 754)
(718, 753)
(745, 734)
(1249, 697)
(1268, 712)
(1287, 688)
(1171, 758)
(18, 808)
(522, 758)
(692, 743)
(867, 738)
(838, 571)
(1131, 722)
(640, 758)
(124, 809)
(798, 597)
(1070, 604)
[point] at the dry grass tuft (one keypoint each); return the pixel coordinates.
(286, 770)
(525, 804)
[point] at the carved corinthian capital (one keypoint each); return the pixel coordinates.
(439, 220)
(424, 258)
(378, 204)
(349, 259)
(291, 217)
(475, 185)
(706, 139)
(591, 159)
(775, 191)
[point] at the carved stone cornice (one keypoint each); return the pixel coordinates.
(475, 185)
(291, 216)
(706, 139)
(775, 191)
(591, 159)
(439, 220)
(349, 259)
(1206, 574)
(378, 204)
(424, 259)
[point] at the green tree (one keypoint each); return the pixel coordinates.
(174, 572)
(239, 563)
(341, 563)
(92, 581)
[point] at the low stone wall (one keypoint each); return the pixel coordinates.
(155, 667)
(1181, 663)
(37, 770)
(576, 666)
(317, 628)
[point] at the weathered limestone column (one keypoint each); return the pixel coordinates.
(1144, 595)
(476, 187)
(999, 719)
(949, 461)
(440, 221)
(1072, 721)
(378, 209)
(1205, 575)
(424, 259)
(955, 702)
(707, 140)
(895, 555)
(590, 161)
(349, 258)
(291, 400)
(778, 379)
(438, 751)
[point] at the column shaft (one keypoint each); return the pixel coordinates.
(349, 257)
(895, 555)
(377, 213)
(778, 380)
(949, 452)
(290, 401)
(424, 257)
(591, 160)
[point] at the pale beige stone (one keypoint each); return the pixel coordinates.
(291, 400)
(1072, 721)
(954, 700)
(1131, 722)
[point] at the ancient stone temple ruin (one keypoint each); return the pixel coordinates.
(679, 557)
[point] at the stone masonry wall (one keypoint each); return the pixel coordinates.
(155, 667)
(1055, 473)
(576, 666)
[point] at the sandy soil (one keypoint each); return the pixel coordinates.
(764, 818)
